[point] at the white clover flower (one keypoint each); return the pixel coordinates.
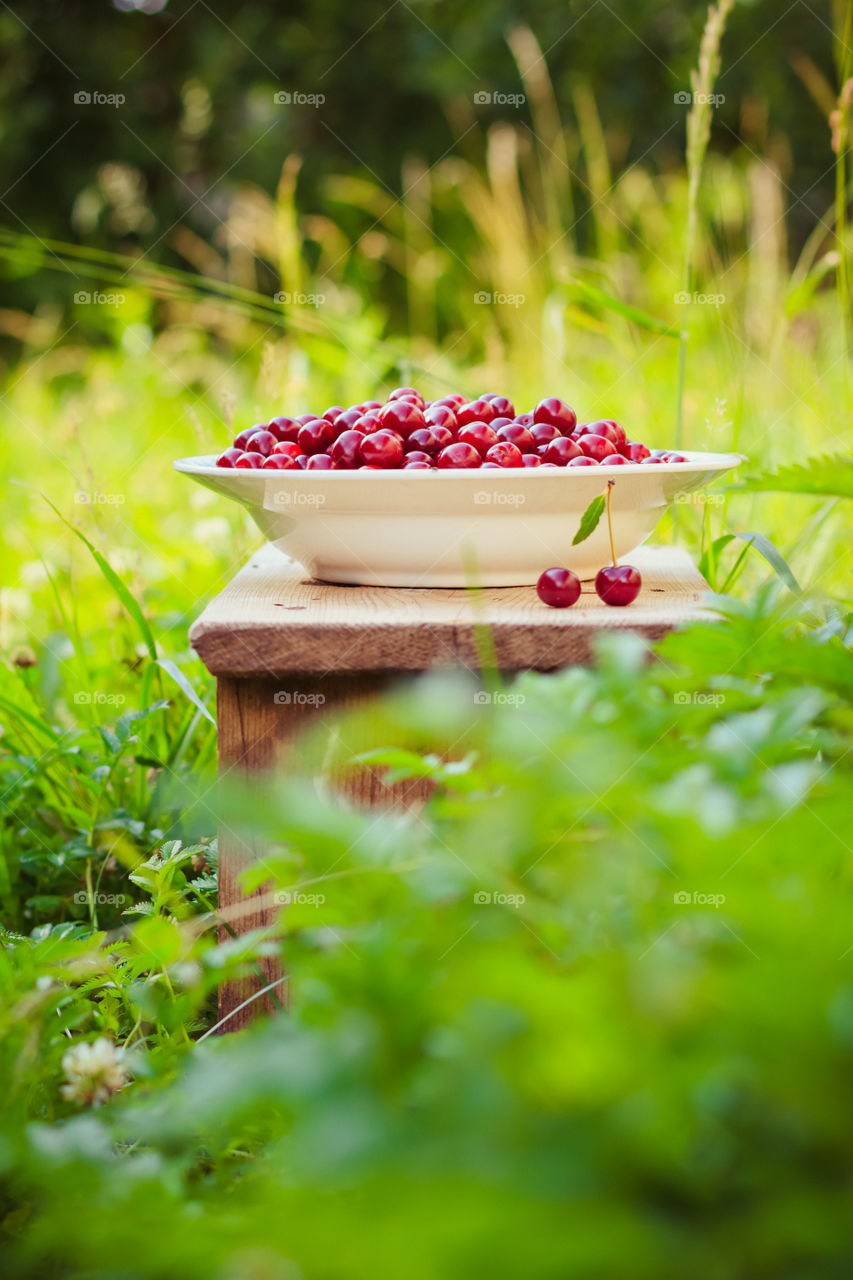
(94, 1072)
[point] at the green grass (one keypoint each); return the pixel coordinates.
(586, 1075)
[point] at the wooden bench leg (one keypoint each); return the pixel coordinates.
(245, 747)
(260, 721)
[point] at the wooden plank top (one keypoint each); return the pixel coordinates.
(272, 620)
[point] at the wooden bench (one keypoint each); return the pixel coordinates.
(288, 651)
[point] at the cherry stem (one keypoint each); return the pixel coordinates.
(610, 484)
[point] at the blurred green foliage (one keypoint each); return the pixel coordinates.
(199, 121)
(590, 1011)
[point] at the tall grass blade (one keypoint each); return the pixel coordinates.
(120, 588)
(702, 80)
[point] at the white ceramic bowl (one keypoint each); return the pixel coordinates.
(493, 528)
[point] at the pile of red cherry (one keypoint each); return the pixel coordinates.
(411, 433)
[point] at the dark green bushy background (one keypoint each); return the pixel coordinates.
(388, 93)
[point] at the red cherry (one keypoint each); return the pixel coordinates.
(402, 416)
(441, 415)
(497, 423)
(675, 457)
(382, 449)
(408, 393)
(345, 450)
(518, 435)
(250, 460)
(302, 418)
(582, 461)
(558, 588)
(280, 462)
(561, 451)
(284, 428)
(458, 456)
(347, 419)
(368, 406)
(543, 432)
(610, 430)
(531, 460)
(475, 411)
(242, 437)
(417, 465)
(618, 584)
(228, 457)
(501, 405)
(369, 467)
(320, 462)
(417, 455)
(430, 440)
(526, 419)
(505, 454)
(316, 436)
(288, 447)
(554, 411)
(652, 461)
(261, 442)
(332, 414)
(635, 452)
(367, 423)
(478, 434)
(302, 461)
(596, 447)
(614, 460)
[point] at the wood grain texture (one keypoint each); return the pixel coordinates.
(271, 620)
(246, 745)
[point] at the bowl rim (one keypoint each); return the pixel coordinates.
(697, 460)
